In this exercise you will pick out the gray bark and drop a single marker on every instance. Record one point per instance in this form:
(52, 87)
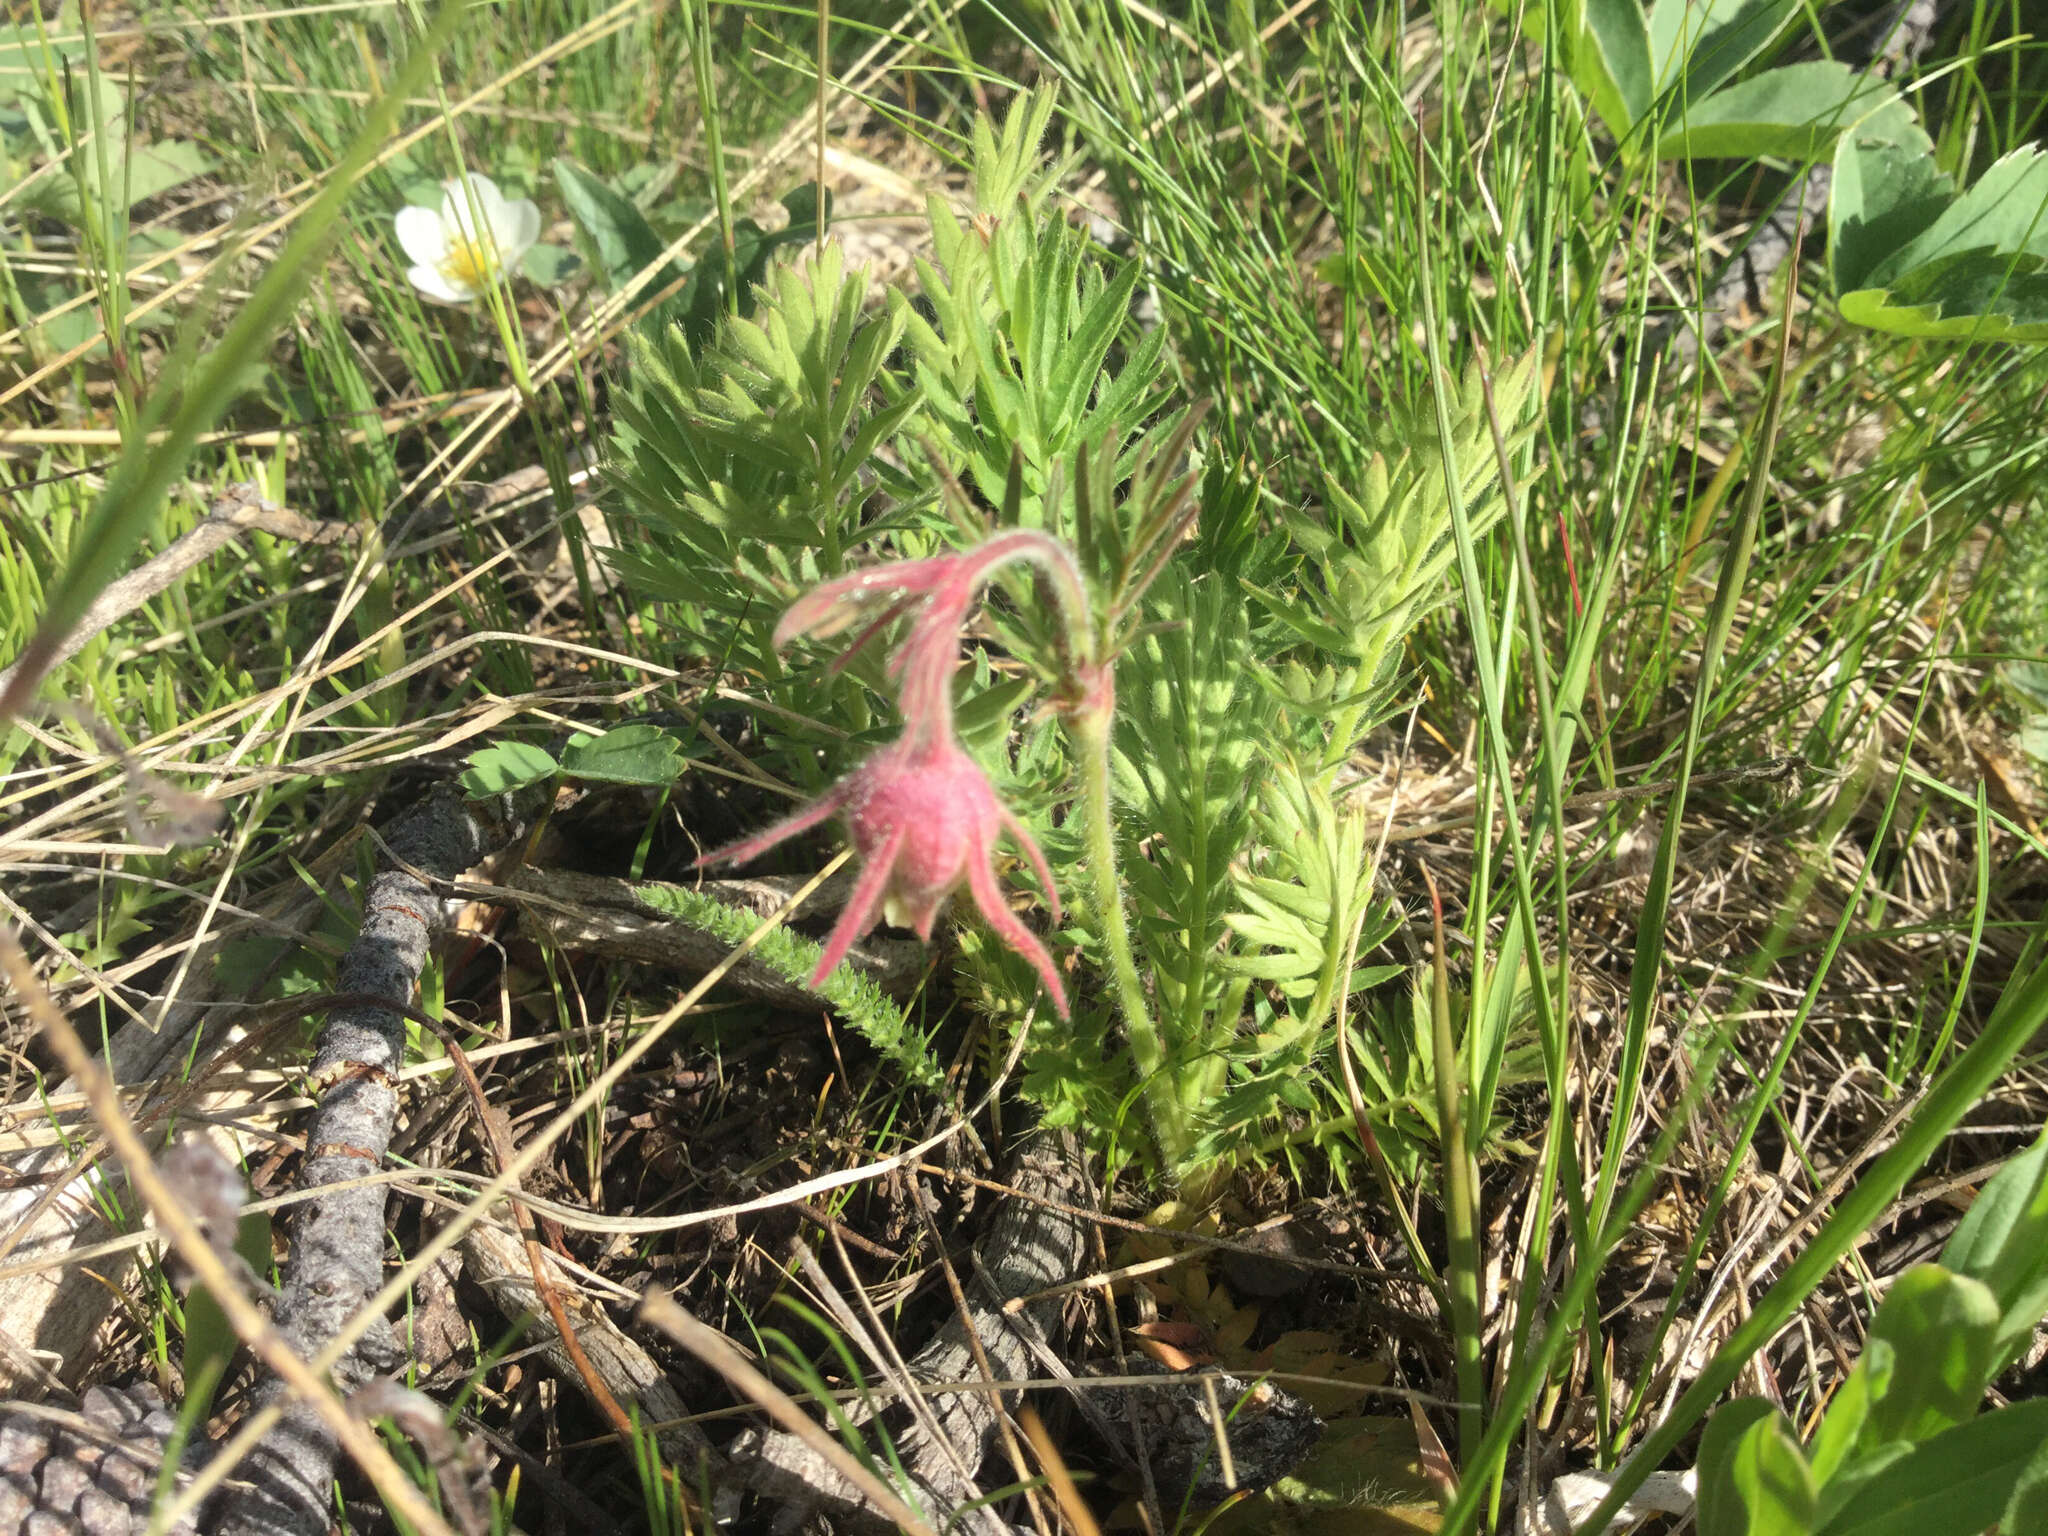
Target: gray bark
(337, 1252)
(1028, 1248)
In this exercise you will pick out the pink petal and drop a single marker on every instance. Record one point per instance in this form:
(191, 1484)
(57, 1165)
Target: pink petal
(988, 896)
(814, 612)
(859, 915)
(1029, 844)
(852, 647)
(823, 808)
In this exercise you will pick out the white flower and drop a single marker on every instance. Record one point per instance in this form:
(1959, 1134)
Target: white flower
(474, 238)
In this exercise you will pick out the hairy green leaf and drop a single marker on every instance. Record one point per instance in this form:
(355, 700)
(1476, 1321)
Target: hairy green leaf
(2002, 1241)
(1942, 1329)
(508, 766)
(628, 754)
(1956, 1484)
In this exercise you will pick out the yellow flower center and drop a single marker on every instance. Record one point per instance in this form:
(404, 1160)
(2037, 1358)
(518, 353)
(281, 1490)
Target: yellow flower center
(469, 264)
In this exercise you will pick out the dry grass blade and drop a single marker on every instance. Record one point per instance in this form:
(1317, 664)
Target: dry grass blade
(1057, 1477)
(498, 1134)
(711, 1346)
(250, 1325)
(259, 1423)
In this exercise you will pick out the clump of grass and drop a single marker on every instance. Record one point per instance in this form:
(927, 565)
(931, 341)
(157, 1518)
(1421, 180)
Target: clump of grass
(1665, 577)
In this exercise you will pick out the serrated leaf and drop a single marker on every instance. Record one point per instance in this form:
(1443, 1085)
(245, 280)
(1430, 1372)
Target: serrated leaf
(1985, 297)
(1797, 112)
(508, 766)
(1886, 191)
(2005, 211)
(631, 754)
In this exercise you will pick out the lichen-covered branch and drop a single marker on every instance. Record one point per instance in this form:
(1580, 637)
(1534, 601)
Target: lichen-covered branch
(337, 1247)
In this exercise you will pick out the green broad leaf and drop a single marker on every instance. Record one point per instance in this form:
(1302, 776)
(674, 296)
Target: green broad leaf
(26, 64)
(631, 754)
(263, 967)
(2027, 1509)
(991, 708)
(2005, 212)
(1842, 1429)
(626, 243)
(508, 766)
(1754, 1479)
(806, 212)
(1698, 45)
(1957, 1484)
(2002, 1241)
(1887, 191)
(1985, 297)
(1610, 58)
(551, 265)
(150, 170)
(1943, 1329)
(136, 172)
(1797, 113)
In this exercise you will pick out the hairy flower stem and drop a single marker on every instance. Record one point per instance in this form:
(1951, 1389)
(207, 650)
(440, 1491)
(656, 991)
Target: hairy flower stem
(1090, 727)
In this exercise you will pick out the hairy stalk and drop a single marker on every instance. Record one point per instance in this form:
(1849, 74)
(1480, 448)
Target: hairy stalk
(1090, 728)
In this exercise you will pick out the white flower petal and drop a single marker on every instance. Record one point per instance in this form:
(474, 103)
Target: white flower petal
(517, 228)
(463, 193)
(422, 235)
(436, 286)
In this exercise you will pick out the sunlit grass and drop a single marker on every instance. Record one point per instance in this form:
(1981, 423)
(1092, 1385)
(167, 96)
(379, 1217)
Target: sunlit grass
(1790, 550)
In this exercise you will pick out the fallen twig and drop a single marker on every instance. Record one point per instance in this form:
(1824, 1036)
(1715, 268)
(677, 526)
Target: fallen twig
(1029, 1247)
(315, 1402)
(337, 1257)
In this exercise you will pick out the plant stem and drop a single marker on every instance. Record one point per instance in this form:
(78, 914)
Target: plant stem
(1089, 728)
(1461, 1199)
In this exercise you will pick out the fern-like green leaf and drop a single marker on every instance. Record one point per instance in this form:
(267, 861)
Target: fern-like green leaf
(792, 957)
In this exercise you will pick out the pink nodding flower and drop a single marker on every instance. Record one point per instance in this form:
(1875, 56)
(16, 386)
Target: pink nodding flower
(921, 813)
